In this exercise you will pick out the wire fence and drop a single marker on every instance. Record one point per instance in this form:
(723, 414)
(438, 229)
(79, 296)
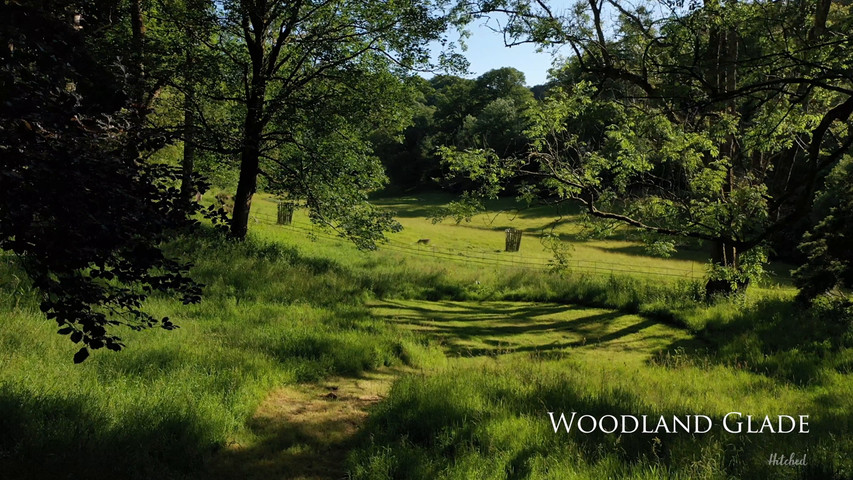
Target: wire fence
(490, 258)
(495, 258)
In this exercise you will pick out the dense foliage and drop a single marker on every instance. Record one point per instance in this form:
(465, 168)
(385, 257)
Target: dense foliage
(490, 111)
(92, 93)
(303, 82)
(717, 122)
(78, 205)
(681, 121)
(827, 246)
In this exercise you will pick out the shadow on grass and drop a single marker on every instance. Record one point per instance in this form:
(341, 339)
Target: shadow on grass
(422, 205)
(498, 421)
(270, 264)
(426, 204)
(108, 419)
(500, 349)
(548, 211)
(80, 435)
(498, 328)
(287, 450)
(68, 436)
(774, 337)
(682, 253)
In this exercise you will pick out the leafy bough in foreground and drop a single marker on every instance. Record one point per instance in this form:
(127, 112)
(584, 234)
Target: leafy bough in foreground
(80, 206)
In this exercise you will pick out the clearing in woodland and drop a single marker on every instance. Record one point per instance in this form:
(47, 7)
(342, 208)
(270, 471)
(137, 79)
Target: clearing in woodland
(310, 359)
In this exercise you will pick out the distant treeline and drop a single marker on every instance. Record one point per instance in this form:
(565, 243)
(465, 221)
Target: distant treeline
(490, 111)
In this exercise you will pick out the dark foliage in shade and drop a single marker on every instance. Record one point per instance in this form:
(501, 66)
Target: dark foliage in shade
(828, 245)
(79, 205)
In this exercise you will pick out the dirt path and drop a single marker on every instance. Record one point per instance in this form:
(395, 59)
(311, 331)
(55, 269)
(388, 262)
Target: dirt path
(304, 431)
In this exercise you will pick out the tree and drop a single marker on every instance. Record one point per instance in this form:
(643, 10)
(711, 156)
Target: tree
(505, 82)
(84, 212)
(183, 51)
(454, 101)
(452, 111)
(829, 263)
(692, 122)
(290, 60)
(408, 160)
(502, 104)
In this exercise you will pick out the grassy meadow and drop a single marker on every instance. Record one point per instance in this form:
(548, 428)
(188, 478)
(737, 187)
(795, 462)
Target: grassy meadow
(473, 346)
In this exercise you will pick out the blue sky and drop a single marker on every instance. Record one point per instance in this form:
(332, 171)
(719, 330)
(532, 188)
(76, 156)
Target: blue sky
(486, 51)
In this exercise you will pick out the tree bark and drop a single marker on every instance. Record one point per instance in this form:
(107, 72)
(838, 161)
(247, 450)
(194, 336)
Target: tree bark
(137, 25)
(243, 198)
(188, 162)
(253, 26)
(249, 163)
(819, 27)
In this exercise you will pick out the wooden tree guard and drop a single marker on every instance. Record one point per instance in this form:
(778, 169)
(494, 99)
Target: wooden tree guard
(285, 213)
(513, 239)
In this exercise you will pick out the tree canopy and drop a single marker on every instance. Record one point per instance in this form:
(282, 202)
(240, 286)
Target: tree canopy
(304, 77)
(829, 264)
(490, 111)
(716, 121)
(720, 122)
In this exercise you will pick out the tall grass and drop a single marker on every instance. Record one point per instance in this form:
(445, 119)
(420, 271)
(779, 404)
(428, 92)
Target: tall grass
(161, 407)
(489, 420)
(281, 308)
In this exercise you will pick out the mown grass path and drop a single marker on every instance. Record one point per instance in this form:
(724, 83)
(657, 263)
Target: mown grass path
(304, 431)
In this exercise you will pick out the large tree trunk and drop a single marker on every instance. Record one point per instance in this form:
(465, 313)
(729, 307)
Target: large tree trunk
(188, 163)
(137, 69)
(249, 163)
(819, 27)
(243, 198)
(253, 128)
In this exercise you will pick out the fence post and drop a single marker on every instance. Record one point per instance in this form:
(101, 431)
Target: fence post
(285, 213)
(513, 239)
